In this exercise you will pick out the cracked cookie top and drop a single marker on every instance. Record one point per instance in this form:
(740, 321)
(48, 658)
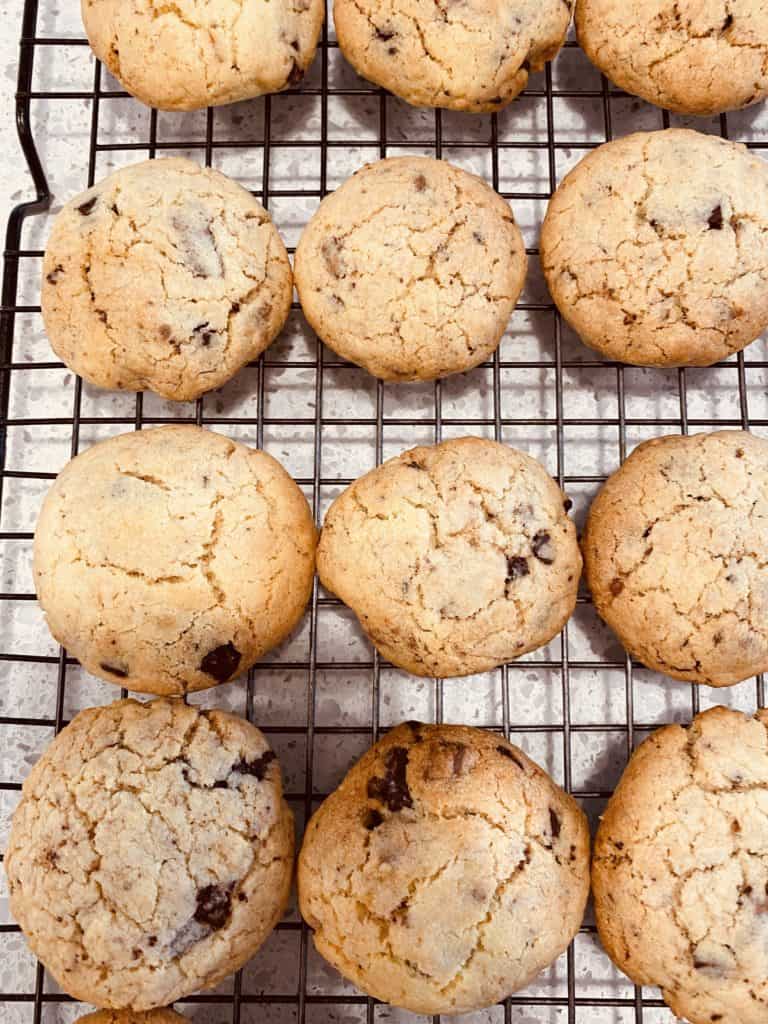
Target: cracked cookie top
(165, 276)
(202, 53)
(151, 853)
(680, 875)
(171, 559)
(131, 1017)
(676, 555)
(690, 56)
(472, 55)
(455, 558)
(655, 248)
(446, 871)
(411, 269)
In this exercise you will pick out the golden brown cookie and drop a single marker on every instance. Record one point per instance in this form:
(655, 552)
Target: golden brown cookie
(446, 871)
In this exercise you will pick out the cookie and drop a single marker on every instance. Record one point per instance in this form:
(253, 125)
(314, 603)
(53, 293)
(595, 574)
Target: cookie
(129, 1017)
(170, 560)
(473, 56)
(676, 556)
(680, 876)
(411, 269)
(691, 56)
(655, 248)
(151, 853)
(455, 558)
(446, 871)
(204, 53)
(167, 277)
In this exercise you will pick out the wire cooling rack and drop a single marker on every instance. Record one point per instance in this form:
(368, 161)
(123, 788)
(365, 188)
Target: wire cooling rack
(579, 705)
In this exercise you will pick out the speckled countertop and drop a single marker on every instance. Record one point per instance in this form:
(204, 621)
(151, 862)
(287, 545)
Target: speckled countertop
(15, 182)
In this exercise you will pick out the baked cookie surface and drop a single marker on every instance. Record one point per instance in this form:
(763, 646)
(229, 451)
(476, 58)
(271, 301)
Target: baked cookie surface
(132, 1017)
(166, 276)
(446, 871)
(198, 53)
(655, 248)
(171, 559)
(473, 56)
(690, 56)
(455, 558)
(151, 853)
(680, 869)
(411, 269)
(676, 556)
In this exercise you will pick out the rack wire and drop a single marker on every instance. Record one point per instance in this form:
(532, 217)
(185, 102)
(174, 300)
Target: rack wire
(579, 706)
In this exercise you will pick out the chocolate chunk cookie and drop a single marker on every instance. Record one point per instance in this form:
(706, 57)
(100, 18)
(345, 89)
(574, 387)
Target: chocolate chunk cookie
(203, 53)
(166, 277)
(436, 53)
(655, 248)
(411, 269)
(145, 860)
(690, 56)
(680, 875)
(172, 559)
(446, 871)
(454, 558)
(676, 555)
(131, 1017)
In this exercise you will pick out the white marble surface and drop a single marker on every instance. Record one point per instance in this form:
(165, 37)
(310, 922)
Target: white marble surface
(344, 697)
(15, 182)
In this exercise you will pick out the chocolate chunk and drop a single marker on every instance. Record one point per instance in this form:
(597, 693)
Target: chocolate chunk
(567, 505)
(214, 906)
(542, 547)
(372, 819)
(331, 250)
(221, 663)
(392, 790)
(517, 567)
(392, 50)
(235, 308)
(114, 670)
(114, 209)
(152, 940)
(739, 453)
(296, 74)
(295, 44)
(136, 953)
(195, 239)
(87, 206)
(257, 768)
(205, 334)
(460, 756)
(385, 34)
(716, 219)
(617, 586)
(54, 274)
(420, 182)
(415, 728)
(726, 25)
(554, 824)
(478, 237)
(506, 752)
(495, 99)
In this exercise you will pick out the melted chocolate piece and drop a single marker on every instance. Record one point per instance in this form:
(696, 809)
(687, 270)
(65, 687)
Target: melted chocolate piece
(221, 663)
(257, 768)
(506, 752)
(554, 824)
(517, 567)
(214, 904)
(372, 819)
(716, 219)
(114, 670)
(296, 74)
(87, 206)
(392, 790)
(540, 545)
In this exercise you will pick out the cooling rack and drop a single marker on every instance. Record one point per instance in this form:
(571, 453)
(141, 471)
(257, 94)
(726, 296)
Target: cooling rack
(579, 705)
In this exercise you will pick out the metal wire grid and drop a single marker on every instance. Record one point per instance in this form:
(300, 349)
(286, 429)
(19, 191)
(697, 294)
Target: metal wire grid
(299, 1004)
